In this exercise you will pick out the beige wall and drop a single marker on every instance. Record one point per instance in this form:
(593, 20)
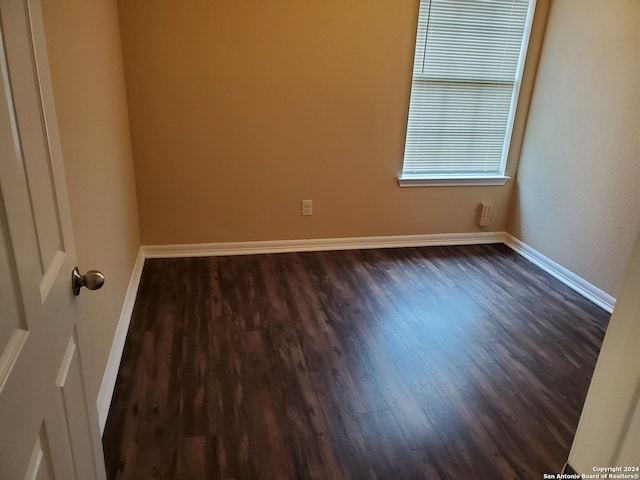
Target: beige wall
(577, 198)
(86, 67)
(609, 428)
(239, 110)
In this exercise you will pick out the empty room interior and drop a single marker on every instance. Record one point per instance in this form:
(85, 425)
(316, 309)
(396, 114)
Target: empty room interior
(284, 299)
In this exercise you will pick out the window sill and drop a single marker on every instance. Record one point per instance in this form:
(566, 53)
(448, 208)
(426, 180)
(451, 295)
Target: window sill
(469, 181)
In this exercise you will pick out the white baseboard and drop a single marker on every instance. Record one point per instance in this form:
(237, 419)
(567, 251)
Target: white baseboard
(570, 279)
(323, 244)
(117, 346)
(578, 284)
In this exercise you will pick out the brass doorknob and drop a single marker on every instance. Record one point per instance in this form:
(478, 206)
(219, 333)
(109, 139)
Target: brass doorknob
(93, 280)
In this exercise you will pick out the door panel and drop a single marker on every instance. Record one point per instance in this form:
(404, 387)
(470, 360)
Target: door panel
(48, 428)
(29, 110)
(40, 466)
(13, 332)
(8, 301)
(71, 386)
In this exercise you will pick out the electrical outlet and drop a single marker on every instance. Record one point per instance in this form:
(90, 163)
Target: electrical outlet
(307, 207)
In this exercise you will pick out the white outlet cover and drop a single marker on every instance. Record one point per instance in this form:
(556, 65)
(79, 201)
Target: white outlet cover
(307, 207)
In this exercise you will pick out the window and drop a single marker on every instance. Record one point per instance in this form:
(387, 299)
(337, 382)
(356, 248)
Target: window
(466, 77)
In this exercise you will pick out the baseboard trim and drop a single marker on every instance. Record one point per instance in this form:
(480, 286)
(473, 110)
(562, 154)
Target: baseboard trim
(570, 279)
(573, 281)
(323, 244)
(117, 346)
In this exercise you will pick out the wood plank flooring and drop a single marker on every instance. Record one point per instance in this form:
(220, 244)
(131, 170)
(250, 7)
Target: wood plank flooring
(414, 363)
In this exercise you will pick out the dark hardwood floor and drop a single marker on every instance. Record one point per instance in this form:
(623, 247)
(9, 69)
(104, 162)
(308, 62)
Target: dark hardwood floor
(434, 363)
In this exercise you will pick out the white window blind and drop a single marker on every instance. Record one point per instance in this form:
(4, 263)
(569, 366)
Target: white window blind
(466, 76)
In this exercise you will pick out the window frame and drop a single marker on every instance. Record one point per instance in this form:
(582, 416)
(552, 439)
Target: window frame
(473, 179)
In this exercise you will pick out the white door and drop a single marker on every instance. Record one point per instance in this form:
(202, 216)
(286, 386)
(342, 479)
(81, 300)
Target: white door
(48, 429)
